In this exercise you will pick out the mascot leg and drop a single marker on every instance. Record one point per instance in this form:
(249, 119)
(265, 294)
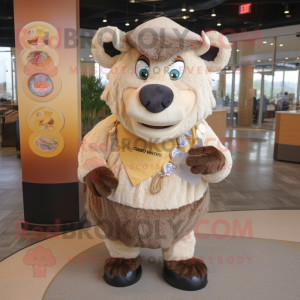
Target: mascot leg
(123, 268)
(181, 269)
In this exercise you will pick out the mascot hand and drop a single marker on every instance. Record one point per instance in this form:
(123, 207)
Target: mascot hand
(205, 160)
(101, 181)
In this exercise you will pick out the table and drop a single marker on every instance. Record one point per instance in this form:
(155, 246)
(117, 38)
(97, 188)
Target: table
(217, 121)
(287, 136)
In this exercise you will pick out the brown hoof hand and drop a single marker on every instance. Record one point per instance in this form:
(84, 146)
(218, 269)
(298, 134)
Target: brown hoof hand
(205, 160)
(101, 181)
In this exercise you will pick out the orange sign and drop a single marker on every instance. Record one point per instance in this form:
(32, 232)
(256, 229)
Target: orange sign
(48, 94)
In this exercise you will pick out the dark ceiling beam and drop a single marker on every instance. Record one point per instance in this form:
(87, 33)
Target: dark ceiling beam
(7, 24)
(96, 4)
(263, 2)
(197, 6)
(132, 9)
(98, 15)
(274, 22)
(233, 14)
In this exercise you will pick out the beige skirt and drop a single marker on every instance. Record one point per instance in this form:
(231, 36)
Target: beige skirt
(144, 228)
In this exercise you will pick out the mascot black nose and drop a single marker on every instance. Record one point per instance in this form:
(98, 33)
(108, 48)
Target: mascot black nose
(156, 97)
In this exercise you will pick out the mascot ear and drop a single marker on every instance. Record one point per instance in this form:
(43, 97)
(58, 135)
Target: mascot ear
(108, 44)
(215, 50)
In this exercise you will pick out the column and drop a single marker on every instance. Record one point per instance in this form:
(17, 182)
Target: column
(48, 84)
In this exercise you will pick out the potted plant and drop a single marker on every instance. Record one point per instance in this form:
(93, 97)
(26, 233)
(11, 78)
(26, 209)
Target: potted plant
(91, 104)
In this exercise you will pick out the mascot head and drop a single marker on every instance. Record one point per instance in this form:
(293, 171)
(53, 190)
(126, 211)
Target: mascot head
(159, 83)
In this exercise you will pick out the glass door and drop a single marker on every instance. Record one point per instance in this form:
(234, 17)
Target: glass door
(268, 105)
(221, 89)
(280, 92)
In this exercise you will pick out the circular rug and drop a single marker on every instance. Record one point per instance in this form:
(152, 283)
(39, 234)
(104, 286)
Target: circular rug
(238, 269)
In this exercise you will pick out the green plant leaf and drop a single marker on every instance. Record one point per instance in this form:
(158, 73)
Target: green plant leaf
(91, 104)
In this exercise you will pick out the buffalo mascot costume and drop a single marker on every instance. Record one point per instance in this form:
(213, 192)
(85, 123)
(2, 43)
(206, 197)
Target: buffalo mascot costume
(148, 166)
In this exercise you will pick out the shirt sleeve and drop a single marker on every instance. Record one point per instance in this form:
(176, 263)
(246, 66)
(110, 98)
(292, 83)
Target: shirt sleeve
(211, 139)
(95, 148)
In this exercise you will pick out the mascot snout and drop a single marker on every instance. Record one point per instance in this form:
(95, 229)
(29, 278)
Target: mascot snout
(156, 97)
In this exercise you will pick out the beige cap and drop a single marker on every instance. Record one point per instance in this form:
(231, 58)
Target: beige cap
(161, 37)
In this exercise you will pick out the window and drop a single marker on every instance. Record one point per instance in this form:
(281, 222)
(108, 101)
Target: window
(6, 80)
(255, 51)
(287, 48)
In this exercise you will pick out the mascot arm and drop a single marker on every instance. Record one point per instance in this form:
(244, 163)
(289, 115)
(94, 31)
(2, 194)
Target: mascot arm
(95, 148)
(213, 160)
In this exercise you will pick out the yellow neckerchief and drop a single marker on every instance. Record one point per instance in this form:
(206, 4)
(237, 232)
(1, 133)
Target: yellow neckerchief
(142, 159)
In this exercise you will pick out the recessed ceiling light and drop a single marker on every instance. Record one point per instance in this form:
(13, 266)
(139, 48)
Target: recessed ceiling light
(132, 1)
(237, 50)
(297, 57)
(264, 42)
(270, 59)
(185, 17)
(192, 10)
(286, 9)
(90, 55)
(281, 45)
(82, 59)
(286, 58)
(258, 60)
(136, 20)
(271, 44)
(127, 24)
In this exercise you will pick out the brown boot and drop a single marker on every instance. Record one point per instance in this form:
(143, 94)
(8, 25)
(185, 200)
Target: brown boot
(121, 272)
(188, 275)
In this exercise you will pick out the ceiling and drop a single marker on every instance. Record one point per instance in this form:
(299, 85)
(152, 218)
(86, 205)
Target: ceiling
(264, 14)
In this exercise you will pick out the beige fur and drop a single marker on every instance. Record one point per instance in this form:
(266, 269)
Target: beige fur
(195, 78)
(118, 249)
(100, 148)
(181, 250)
(106, 35)
(220, 41)
(103, 148)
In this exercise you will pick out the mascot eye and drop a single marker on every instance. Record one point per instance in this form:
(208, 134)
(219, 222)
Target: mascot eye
(176, 69)
(143, 74)
(142, 68)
